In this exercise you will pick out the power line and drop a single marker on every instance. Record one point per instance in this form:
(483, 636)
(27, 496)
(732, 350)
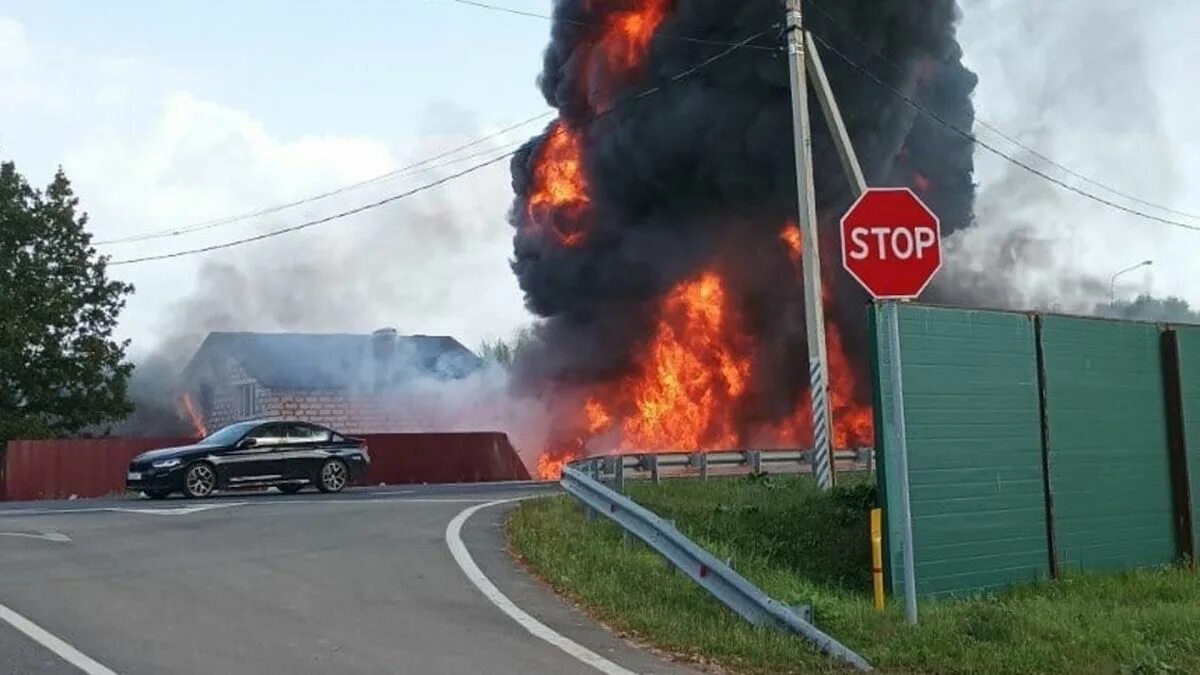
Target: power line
(996, 151)
(415, 167)
(985, 124)
(427, 186)
(318, 221)
(574, 22)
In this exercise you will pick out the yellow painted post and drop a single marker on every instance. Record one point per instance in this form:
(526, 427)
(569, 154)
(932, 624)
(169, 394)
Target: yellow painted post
(877, 556)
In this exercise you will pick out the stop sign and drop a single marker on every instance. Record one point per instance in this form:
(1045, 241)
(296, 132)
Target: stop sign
(891, 243)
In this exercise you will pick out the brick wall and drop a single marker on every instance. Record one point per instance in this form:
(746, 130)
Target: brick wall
(328, 407)
(223, 381)
(349, 412)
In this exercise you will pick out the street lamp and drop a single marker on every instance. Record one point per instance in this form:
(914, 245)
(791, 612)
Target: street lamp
(1112, 285)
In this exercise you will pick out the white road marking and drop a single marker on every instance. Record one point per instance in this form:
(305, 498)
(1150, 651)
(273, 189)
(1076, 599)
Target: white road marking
(405, 500)
(270, 501)
(48, 536)
(181, 511)
(43, 637)
(493, 594)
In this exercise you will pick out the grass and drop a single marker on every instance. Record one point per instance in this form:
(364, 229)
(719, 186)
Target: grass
(806, 547)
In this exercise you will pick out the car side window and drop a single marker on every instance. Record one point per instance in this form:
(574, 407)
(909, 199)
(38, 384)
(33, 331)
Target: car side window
(317, 434)
(306, 433)
(270, 434)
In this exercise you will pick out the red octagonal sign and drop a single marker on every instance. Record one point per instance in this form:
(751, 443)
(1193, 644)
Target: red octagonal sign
(891, 243)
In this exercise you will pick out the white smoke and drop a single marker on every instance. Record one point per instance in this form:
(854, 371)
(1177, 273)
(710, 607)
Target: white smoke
(1094, 85)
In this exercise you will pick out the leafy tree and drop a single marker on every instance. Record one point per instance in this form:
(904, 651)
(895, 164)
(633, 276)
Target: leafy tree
(502, 352)
(1147, 308)
(61, 370)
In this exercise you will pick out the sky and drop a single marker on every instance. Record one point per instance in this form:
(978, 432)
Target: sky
(169, 114)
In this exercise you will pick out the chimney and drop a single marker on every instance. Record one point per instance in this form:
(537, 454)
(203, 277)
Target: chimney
(383, 349)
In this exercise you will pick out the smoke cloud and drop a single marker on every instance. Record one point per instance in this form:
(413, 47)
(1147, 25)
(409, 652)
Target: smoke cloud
(1098, 107)
(700, 175)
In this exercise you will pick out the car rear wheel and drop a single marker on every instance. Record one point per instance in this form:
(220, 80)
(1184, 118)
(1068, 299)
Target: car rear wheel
(289, 489)
(200, 480)
(334, 476)
(157, 494)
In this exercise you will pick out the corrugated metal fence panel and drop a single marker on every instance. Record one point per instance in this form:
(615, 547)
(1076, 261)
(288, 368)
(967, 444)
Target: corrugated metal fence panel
(974, 443)
(443, 458)
(1109, 463)
(59, 469)
(1189, 372)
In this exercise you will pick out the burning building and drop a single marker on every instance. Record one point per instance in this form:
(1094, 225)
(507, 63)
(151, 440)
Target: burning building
(654, 232)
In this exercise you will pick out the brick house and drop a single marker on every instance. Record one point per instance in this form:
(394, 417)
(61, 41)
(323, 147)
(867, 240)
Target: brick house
(348, 382)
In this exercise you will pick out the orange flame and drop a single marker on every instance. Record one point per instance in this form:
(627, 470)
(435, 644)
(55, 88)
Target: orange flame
(193, 415)
(790, 235)
(853, 423)
(696, 365)
(692, 374)
(628, 33)
(559, 198)
(551, 469)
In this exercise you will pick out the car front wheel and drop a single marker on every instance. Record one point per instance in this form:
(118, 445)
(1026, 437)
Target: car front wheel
(200, 480)
(334, 476)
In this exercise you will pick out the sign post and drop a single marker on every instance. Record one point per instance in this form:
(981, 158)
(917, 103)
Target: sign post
(892, 244)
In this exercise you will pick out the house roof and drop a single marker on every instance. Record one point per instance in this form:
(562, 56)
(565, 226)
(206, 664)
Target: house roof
(337, 361)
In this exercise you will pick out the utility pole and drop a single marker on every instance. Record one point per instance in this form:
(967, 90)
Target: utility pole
(814, 310)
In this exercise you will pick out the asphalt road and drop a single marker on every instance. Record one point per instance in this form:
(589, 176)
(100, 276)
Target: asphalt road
(361, 582)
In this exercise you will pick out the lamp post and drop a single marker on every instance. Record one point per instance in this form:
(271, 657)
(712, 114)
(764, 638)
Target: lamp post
(1112, 285)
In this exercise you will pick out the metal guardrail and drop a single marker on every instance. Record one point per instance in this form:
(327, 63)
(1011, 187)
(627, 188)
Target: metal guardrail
(656, 466)
(714, 576)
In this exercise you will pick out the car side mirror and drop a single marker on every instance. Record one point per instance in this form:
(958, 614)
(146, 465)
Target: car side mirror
(247, 443)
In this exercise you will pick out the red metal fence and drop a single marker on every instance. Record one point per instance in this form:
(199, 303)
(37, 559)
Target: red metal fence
(58, 469)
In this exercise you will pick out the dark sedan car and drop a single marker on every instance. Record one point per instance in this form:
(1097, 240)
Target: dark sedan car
(288, 455)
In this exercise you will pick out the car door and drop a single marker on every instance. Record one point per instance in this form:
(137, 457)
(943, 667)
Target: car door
(304, 452)
(260, 461)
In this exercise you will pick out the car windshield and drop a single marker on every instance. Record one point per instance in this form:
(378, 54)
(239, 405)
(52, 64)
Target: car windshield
(229, 434)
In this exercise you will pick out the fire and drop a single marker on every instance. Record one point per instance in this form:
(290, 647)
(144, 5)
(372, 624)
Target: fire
(853, 423)
(551, 469)
(559, 199)
(559, 203)
(691, 376)
(193, 415)
(696, 365)
(628, 33)
(790, 236)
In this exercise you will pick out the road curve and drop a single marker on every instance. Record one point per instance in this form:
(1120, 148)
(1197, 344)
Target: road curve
(361, 582)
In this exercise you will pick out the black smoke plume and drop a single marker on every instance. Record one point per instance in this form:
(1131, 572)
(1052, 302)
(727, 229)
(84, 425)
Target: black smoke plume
(701, 174)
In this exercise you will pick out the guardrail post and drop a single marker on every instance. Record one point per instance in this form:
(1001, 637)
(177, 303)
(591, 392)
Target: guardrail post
(627, 538)
(619, 473)
(703, 459)
(756, 461)
(653, 468)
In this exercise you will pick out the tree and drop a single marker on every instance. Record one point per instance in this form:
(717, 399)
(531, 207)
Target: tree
(503, 352)
(61, 370)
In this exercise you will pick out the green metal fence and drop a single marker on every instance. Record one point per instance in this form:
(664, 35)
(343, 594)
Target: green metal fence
(1110, 480)
(975, 458)
(1188, 340)
(1037, 444)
